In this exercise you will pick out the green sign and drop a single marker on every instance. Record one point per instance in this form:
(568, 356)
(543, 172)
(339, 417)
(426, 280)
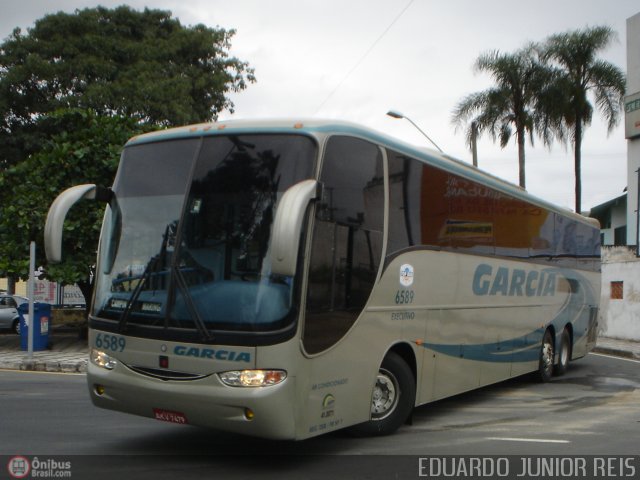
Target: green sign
(632, 116)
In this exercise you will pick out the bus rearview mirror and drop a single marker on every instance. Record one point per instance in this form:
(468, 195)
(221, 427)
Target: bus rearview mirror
(58, 212)
(287, 226)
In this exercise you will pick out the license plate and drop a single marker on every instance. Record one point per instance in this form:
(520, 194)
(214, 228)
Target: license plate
(170, 416)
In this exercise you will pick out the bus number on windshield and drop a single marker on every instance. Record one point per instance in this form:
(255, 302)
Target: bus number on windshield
(404, 297)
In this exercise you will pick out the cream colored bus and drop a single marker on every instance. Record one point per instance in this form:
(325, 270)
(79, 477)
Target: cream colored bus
(283, 279)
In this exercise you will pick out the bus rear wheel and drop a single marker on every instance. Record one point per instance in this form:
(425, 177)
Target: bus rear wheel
(392, 398)
(545, 363)
(564, 355)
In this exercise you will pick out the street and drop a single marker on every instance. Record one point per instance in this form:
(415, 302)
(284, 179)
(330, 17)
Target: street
(592, 410)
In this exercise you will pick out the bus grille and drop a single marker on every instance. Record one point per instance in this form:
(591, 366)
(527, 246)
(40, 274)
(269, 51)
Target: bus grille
(166, 374)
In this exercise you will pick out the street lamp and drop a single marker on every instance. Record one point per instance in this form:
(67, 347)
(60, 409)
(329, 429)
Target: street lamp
(396, 114)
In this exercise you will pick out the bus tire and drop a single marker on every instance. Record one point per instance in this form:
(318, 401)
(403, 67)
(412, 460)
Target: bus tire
(392, 399)
(545, 362)
(564, 353)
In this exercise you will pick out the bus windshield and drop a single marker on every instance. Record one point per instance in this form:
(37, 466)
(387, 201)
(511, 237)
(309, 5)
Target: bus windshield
(186, 236)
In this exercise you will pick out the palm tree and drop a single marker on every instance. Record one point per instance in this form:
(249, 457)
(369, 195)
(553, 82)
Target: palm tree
(578, 73)
(507, 105)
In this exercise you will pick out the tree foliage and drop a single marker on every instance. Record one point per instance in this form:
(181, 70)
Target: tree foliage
(509, 104)
(85, 151)
(73, 89)
(545, 89)
(578, 75)
(139, 64)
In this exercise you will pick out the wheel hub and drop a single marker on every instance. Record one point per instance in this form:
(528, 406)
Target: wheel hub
(547, 356)
(384, 398)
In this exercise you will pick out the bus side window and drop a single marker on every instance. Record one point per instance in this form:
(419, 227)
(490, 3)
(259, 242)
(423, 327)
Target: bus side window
(565, 242)
(347, 240)
(405, 185)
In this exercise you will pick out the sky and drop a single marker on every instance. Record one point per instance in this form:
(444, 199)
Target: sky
(355, 60)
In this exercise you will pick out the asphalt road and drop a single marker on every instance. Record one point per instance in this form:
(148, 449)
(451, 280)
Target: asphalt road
(594, 409)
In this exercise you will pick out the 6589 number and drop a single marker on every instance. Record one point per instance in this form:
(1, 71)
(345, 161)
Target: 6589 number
(404, 297)
(111, 342)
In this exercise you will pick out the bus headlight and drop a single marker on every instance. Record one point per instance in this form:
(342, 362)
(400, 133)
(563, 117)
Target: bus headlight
(253, 378)
(103, 360)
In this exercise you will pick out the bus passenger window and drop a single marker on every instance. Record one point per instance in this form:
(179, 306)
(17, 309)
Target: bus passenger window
(405, 189)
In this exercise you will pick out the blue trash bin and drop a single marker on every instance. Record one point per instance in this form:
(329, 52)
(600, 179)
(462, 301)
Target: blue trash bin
(42, 323)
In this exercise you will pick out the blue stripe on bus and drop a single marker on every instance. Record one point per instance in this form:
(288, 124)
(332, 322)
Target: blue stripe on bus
(527, 347)
(522, 349)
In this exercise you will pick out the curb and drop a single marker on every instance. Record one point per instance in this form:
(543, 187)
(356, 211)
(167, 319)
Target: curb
(52, 366)
(10, 366)
(616, 352)
(40, 366)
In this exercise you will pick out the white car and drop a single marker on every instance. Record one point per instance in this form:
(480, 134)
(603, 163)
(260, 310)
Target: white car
(9, 318)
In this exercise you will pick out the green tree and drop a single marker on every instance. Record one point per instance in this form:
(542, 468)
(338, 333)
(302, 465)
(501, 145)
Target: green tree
(139, 64)
(86, 151)
(578, 75)
(509, 105)
(72, 76)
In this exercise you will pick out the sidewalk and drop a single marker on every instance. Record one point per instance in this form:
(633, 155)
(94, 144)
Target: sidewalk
(69, 354)
(617, 347)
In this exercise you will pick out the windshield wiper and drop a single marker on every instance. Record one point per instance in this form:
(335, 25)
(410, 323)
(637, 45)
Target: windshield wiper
(184, 289)
(150, 269)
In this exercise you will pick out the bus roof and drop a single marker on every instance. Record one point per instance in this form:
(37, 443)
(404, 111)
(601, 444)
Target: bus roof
(317, 127)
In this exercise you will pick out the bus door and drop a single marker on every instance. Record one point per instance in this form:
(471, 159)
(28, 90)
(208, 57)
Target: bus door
(346, 251)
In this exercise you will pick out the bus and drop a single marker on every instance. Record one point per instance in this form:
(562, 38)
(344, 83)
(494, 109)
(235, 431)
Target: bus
(285, 279)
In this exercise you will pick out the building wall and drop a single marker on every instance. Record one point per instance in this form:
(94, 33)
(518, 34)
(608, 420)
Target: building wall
(633, 146)
(620, 317)
(633, 164)
(21, 287)
(618, 219)
(619, 216)
(607, 236)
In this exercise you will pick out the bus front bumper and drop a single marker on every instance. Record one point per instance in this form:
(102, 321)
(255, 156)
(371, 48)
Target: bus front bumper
(267, 412)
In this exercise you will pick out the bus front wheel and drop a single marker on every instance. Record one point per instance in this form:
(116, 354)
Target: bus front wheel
(392, 398)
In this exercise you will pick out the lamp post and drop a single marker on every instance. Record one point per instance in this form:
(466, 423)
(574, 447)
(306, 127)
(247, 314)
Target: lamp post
(396, 114)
